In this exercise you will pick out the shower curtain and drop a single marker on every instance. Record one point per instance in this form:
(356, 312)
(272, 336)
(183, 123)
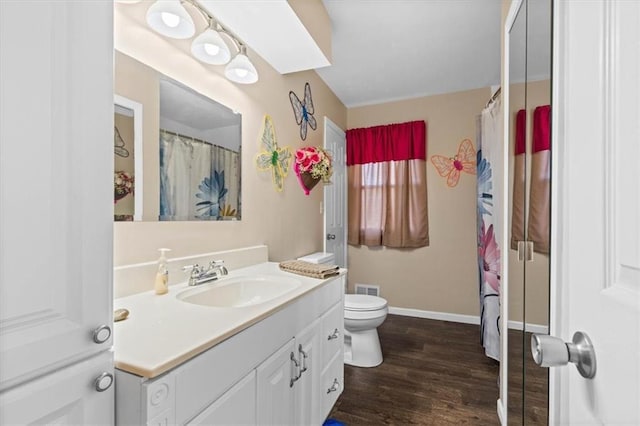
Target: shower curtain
(197, 179)
(489, 221)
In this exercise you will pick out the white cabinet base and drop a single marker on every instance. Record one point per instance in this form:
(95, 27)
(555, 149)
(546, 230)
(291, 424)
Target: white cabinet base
(67, 396)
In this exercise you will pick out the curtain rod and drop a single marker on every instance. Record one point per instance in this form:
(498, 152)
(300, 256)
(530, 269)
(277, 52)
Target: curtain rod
(198, 140)
(494, 97)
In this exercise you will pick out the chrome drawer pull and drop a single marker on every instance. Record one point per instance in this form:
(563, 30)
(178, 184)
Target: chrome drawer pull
(335, 334)
(297, 367)
(304, 359)
(334, 387)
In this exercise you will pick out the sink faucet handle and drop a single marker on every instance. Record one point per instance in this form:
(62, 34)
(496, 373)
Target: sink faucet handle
(219, 265)
(195, 269)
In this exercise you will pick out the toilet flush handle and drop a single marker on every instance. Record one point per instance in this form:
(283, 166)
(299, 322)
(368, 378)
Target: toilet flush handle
(334, 335)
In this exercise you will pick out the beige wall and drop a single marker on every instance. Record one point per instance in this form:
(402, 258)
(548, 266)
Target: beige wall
(444, 276)
(289, 222)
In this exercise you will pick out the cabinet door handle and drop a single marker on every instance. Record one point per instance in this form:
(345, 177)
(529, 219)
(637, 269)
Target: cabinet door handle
(304, 359)
(101, 334)
(103, 382)
(334, 387)
(296, 366)
(334, 335)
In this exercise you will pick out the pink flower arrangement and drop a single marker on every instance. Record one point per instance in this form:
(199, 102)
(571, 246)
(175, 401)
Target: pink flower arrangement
(315, 161)
(122, 185)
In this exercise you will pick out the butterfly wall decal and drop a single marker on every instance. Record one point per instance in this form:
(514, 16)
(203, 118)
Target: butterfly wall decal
(463, 161)
(303, 110)
(272, 157)
(118, 144)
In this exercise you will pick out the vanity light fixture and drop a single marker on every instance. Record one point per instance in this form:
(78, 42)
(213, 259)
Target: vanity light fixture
(210, 48)
(171, 19)
(240, 69)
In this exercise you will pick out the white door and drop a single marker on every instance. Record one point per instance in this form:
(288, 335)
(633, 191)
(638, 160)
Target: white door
(596, 208)
(56, 185)
(276, 388)
(335, 195)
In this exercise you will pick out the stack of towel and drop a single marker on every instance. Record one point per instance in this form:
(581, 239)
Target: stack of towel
(313, 270)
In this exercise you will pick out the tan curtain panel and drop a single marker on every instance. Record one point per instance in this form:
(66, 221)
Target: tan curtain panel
(540, 192)
(387, 186)
(388, 204)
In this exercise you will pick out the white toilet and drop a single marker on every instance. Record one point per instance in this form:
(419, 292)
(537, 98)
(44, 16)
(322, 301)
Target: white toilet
(362, 315)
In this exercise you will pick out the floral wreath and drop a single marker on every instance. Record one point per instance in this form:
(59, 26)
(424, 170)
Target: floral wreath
(311, 165)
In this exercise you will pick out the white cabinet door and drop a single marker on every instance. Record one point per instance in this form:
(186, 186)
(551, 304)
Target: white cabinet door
(307, 388)
(237, 406)
(275, 387)
(68, 396)
(56, 211)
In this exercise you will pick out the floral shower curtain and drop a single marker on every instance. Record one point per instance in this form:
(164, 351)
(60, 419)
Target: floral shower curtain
(489, 206)
(197, 179)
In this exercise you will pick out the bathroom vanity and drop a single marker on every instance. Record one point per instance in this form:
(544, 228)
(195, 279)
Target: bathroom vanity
(278, 361)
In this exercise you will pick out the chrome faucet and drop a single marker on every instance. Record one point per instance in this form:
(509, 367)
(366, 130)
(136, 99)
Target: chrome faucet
(200, 275)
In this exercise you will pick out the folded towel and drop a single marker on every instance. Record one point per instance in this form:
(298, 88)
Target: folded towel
(308, 269)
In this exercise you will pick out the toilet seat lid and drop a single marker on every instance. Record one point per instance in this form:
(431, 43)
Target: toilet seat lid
(363, 302)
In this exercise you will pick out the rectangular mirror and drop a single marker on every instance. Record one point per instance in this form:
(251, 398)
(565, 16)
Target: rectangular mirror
(190, 147)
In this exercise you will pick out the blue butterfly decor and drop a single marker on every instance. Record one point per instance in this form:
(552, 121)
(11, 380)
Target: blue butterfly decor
(303, 110)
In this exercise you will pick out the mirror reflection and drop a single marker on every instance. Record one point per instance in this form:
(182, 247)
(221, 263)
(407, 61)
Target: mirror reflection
(191, 148)
(530, 171)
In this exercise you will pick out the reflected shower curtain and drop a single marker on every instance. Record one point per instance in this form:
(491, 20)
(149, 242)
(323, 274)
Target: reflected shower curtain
(489, 207)
(195, 178)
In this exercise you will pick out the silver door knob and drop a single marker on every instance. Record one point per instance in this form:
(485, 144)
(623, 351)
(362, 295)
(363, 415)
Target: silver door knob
(331, 237)
(549, 351)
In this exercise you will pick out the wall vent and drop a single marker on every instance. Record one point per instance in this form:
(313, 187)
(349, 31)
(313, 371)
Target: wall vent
(368, 289)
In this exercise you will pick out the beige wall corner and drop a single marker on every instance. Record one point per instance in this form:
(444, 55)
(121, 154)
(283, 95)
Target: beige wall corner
(315, 18)
(444, 276)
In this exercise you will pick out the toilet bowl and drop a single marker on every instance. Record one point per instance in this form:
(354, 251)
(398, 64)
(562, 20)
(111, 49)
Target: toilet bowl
(362, 315)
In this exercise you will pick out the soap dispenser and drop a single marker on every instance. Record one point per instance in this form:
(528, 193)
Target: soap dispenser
(162, 276)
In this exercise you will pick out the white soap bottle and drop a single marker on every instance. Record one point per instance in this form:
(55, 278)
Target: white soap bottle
(162, 276)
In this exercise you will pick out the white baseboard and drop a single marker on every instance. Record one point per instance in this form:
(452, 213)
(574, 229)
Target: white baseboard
(529, 328)
(501, 412)
(442, 316)
(460, 318)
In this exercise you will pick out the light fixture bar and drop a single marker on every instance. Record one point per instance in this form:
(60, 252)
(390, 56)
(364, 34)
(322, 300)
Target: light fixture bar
(171, 19)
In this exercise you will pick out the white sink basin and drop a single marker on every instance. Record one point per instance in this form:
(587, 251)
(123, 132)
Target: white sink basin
(238, 292)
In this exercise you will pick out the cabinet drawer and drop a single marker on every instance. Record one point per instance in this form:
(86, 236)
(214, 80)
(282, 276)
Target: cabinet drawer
(332, 333)
(332, 382)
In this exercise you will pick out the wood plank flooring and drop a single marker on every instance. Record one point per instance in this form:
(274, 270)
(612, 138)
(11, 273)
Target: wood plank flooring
(434, 373)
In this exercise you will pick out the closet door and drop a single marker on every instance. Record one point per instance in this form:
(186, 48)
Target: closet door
(530, 165)
(56, 183)
(538, 211)
(516, 194)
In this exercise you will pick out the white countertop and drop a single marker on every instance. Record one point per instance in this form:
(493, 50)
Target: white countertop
(162, 332)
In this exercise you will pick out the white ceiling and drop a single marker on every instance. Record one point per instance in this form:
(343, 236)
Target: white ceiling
(386, 50)
(272, 30)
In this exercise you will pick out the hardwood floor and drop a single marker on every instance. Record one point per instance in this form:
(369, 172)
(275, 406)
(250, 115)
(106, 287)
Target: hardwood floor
(434, 373)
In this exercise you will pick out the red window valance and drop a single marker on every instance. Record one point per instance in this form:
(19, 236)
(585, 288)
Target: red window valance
(392, 142)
